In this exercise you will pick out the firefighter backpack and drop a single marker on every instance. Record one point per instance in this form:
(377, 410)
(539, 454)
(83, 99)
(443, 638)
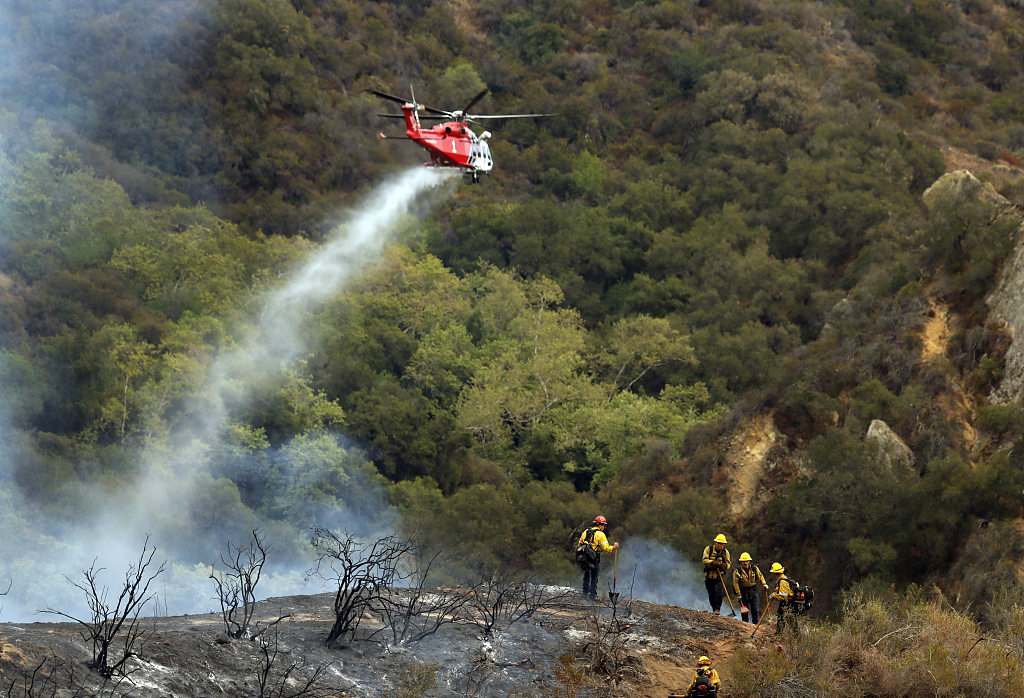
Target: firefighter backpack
(803, 596)
(704, 688)
(586, 555)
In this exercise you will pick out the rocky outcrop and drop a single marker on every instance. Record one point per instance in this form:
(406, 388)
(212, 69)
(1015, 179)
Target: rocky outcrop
(894, 450)
(1007, 306)
(1007, 299)
(748, 459)
(961, 185)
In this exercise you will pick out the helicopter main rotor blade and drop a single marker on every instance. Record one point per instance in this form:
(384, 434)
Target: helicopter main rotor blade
(474, 101)
(425, 117)
(506, 116)
(440, 112)
(385, 95)
(419, 107)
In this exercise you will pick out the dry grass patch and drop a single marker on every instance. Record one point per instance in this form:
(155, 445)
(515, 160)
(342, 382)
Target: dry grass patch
(911, 647)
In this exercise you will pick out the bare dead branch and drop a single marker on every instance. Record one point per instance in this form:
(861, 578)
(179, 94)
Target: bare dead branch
(505, 598)
(412, 614)
(236, 586)
(898, 630)
(106, 622)
(45, 683)
(360, 572)
(259, 631)
(39, 683)
(604, 649)
(280, 677)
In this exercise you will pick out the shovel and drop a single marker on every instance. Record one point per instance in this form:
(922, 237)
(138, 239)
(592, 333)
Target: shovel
(732, 611)
(613, 595)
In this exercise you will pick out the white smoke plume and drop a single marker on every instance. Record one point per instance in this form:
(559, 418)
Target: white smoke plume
(657, 573)
(162, 502)
(352, 245)
(175, 490)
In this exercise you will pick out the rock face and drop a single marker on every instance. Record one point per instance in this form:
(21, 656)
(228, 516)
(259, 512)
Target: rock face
(1007, 304)
(961, 185)
(1007, 299)
(748, 459)
(894, 450)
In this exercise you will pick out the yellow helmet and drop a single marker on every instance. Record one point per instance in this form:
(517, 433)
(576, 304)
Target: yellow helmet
(777, 568)
(745, 557)
(720, 538)
(703, 661)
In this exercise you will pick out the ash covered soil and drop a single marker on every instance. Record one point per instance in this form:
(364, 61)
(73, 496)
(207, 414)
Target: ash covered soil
(631, 649)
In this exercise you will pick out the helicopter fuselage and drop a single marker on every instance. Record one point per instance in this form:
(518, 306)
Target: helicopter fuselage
(450, 144)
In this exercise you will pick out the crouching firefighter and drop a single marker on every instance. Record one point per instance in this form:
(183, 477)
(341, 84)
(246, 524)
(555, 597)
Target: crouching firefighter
(747, 580)
(597, 542)
(705, 682)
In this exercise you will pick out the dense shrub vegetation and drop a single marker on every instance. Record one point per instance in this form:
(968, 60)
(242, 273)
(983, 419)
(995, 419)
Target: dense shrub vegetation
(724, 217)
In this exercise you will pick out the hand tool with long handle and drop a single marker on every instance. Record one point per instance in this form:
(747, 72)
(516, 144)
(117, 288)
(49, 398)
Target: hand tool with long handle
(732, 611)
(613, 595)
(767, 605)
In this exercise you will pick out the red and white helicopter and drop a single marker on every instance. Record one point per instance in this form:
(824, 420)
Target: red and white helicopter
(451, 143)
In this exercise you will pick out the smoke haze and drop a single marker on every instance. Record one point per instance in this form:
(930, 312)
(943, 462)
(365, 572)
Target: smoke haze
(657, 573)
(175, 490)
(353, 244)
(68, 64)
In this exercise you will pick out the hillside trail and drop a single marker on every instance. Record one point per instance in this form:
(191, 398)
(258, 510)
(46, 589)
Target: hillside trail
(956, 404)
(668, 675)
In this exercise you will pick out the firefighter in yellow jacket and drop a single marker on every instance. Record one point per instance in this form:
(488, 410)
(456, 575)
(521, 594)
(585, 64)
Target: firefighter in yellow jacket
(747, 580)
(710, 679)
(784, 593)
(716, 564)
(595, 537)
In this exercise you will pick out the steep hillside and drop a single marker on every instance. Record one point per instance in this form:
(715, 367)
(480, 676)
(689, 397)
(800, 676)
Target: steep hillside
(954, 377)
(719, 290)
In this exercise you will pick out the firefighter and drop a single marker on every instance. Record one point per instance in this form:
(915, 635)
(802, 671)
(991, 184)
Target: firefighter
(716, 563)
(706, 682)
(746, 580)
(599, 542)
(784, 593)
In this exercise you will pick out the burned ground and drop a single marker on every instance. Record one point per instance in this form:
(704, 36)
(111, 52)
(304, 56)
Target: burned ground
(635, 649)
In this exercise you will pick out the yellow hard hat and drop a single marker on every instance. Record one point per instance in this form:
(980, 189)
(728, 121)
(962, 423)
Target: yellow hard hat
(703, 661)
(720, 538)
(777, 568)
(745, 557)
